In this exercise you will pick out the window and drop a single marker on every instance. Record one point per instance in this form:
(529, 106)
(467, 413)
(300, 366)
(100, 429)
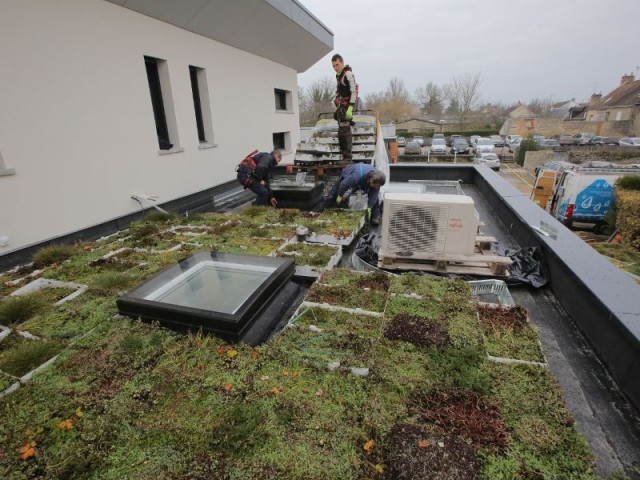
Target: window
(162, 102)
(201, 104)
(282, 140)
(283, 100)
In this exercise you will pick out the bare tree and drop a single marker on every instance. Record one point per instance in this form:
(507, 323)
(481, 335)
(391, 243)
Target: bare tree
(541, 106)
(430, 99)
(464, 91)
(374, 100)
(315, 99)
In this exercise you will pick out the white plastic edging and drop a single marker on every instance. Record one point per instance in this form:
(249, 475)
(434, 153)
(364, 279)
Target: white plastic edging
(42, 283)
(334, 308)
(5, 332)
(512, 361)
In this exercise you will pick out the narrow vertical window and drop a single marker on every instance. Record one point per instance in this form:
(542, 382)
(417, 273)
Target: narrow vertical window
(197, 105)
(201, 105)
(155, 88)
(281, 99)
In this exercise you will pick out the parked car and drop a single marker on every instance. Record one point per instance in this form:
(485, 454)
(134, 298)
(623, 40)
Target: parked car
(606, 141)
(401, 141)
(460, 145)
(438, 145)
(548, 143)
(452, 138)
(497, 140)
(513, 144)
(491, 160)
(473, 138)
(483, 145)
(563, 139)
(555, 165)
(412, 148)
(584, 138)
(419, 139)
(630, 142)
(513, 138)
(438, 135)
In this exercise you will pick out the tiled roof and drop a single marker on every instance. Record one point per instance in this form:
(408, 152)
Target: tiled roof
(624, 95)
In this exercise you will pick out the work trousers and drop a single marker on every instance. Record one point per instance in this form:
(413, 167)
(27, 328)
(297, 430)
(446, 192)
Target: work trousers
(344, 133)
(262, 192)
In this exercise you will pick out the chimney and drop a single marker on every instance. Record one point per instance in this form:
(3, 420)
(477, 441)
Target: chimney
(595, 98)
(626, 78)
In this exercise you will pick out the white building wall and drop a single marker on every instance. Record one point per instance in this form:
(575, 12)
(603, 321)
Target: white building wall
(76, 120)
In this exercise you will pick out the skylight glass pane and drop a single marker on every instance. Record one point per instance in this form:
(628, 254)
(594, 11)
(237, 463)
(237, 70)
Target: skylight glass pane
(218, 286)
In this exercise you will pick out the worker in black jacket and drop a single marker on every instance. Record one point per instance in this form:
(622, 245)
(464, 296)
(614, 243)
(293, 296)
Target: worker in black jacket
(345, 102)
(357, 176)
(253, 173)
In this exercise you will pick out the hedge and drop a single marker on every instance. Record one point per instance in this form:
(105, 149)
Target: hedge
(628, 204)
(628, 182)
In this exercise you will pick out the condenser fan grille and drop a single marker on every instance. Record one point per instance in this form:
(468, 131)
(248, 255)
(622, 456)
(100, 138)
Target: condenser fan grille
(417, 228)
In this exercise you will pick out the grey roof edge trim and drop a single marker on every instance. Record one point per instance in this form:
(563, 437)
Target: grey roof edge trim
(278, 4)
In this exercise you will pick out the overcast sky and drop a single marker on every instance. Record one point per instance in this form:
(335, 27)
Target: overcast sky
(524, 49)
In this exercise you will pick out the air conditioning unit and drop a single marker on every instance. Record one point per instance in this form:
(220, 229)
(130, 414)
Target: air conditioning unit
(425, 226)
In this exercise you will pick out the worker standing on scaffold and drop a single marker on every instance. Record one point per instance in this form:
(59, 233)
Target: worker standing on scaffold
(345, 101)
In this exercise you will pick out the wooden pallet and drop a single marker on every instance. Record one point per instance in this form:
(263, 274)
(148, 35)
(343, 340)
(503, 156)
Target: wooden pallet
(482, 262)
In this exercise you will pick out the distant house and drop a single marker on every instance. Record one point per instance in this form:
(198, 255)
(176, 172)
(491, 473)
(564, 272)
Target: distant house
(102, 100)
(561, 109)
(520, 121)
(621, 105)
(417, 125)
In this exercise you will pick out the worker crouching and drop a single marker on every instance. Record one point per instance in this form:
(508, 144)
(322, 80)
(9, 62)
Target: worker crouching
(357, 176)
(253, 173)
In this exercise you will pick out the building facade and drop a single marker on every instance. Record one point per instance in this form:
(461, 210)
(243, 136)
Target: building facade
(103, 100)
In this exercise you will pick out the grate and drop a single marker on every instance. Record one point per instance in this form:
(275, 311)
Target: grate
(417, 228)
(491, 291)
(441, 186)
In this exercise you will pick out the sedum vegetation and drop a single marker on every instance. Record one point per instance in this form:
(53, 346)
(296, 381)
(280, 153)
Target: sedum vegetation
(337, 394)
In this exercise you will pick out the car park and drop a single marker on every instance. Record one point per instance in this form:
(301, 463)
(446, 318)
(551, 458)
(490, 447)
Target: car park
(483, 145)
(438, 145)
(412, 148)
(401, 141)
(497, 140)
(584, 138)
(630, 142)
(491, 160)
(602, 141)
(460, 145)
(419, 139)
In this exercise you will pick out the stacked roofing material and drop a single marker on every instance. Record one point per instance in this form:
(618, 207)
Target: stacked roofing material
(323, 148)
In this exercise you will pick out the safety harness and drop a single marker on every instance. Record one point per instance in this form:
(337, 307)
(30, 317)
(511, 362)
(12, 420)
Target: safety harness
(246, 168)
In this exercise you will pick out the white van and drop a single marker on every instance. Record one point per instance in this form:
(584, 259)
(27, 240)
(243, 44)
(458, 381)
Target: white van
(585, 195)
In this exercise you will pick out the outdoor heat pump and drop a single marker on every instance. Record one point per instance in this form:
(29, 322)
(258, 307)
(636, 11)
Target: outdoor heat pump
(425, 225)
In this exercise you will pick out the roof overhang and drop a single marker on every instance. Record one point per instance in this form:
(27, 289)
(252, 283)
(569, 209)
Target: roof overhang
(280, 30)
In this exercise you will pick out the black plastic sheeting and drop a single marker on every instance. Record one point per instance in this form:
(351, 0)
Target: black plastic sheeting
(528, 265)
